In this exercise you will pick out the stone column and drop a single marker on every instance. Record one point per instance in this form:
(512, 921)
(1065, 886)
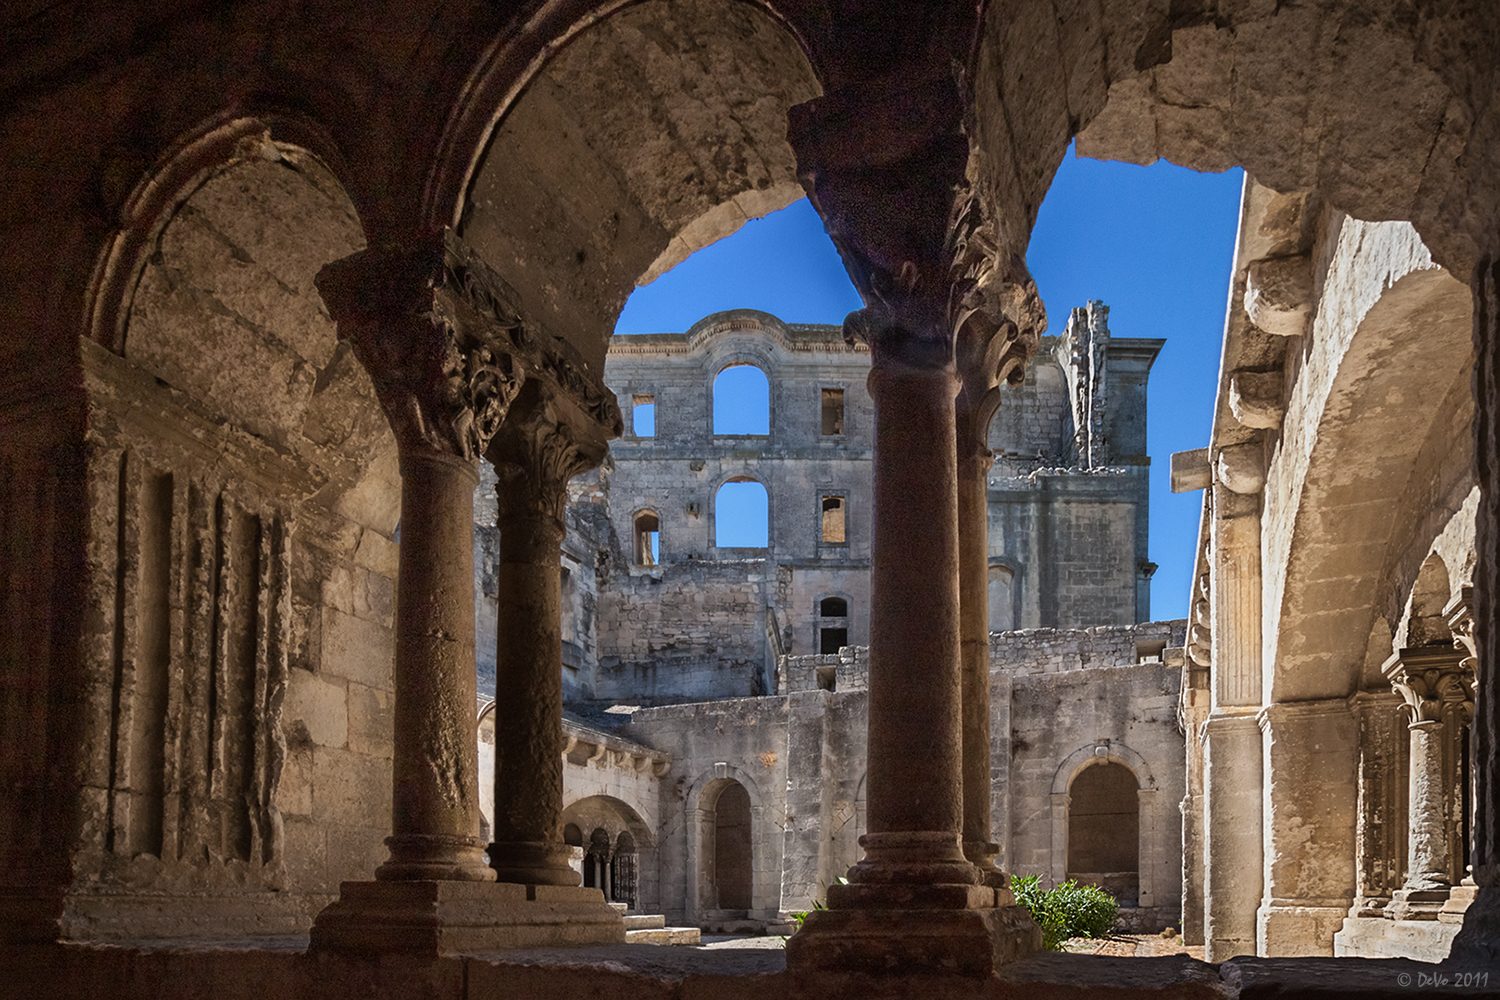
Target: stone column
(1459, 614)
(1479, 940)
(1435, 687)
(1232, 776)
(988, 358)
(435, 793)
(882, 163)
(444, 391)
(547, 440)
(446, 348)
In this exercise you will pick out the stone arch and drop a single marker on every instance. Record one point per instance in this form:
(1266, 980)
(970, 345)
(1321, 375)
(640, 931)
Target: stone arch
(1354, 446)
(1150, 812)
(595, 826)
(1366, 110)
(1003, 595)
(765, 877)
(1422, 623)
(203, 313)
(567, 181)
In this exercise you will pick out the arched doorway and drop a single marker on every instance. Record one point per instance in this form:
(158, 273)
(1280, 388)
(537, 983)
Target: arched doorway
(623, 871)
(1104, 831)
(732, 869)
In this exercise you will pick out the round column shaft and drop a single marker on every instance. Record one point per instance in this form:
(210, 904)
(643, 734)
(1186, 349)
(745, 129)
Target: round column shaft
(915, 793)
(973, 540)
(528, 844)
(1427, 838)
(435, 794)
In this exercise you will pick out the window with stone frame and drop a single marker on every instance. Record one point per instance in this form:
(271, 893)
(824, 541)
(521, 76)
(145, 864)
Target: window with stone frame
(643, 414)
(833, 411)
(647, 538)
(834, 529)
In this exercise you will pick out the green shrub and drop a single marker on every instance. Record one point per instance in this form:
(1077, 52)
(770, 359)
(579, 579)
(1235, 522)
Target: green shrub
(1068, 911)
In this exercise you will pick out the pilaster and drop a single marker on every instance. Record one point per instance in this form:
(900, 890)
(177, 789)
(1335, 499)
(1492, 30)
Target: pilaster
(1311, 751)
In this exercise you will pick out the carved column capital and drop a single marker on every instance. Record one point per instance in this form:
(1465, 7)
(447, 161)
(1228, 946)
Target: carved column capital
(1459, 614)
(888, 166)
(547, 440)
(438, 332)
(1000, 320)
(1429, 677)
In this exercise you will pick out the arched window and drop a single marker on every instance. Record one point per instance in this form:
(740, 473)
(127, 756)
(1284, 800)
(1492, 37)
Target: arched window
(833, 607)
(1104, 830)
(572, 835)
(742, 515)
(742, 401)
(647, 539)
(732, 857)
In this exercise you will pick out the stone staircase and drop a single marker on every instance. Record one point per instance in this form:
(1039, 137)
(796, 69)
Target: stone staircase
(651, 928)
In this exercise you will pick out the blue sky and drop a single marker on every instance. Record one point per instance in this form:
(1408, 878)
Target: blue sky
(1154, 243)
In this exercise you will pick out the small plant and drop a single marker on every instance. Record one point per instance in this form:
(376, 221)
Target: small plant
(801, 915)
(1070, 910)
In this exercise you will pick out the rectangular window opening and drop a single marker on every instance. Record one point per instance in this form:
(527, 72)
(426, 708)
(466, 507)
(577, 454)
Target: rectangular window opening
(833, 520)
(1150, 651)
(831, 640)
(833, 411)
(643, 414)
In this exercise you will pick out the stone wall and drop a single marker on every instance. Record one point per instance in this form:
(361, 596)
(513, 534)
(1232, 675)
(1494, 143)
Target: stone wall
(1077, 699)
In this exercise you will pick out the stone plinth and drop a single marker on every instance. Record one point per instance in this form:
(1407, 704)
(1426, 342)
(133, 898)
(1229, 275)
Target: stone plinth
(913, 928)
(449, 917)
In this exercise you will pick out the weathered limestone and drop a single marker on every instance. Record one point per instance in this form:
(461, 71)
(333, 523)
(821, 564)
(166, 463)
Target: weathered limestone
(1436, 690)
(1310, 752)
(448, 352)
(547, 440)
(914, 877)
(1232, 758)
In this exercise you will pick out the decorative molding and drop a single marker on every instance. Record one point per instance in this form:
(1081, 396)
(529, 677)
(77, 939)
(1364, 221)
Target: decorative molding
(1429, 677)
(447, 344)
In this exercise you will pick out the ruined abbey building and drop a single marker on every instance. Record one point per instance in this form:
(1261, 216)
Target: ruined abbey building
(744, 801)
(280, 277)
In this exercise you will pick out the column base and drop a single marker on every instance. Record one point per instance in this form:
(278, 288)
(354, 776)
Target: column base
(953, 929)
(422, 857)
(982, 856)
(1299, 928)
(531, 863)
(1458, 902)
(435, 918)
(1418, 903)
(917, 858)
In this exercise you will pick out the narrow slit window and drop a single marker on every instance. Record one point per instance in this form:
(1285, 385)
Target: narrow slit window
(647, 539)
(643, 414)
(833, 520)
(833, 411)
